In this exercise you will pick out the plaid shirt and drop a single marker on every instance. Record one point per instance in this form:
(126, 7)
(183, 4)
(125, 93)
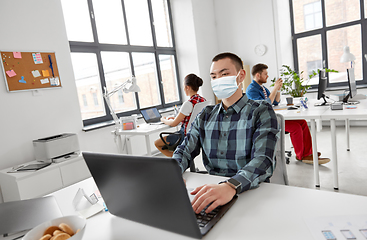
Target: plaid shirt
(194, 99)
(237, 143)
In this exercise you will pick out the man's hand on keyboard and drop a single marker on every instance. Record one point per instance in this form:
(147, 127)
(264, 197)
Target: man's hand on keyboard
(217, 194)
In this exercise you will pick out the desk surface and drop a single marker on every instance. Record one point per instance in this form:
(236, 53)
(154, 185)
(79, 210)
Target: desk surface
(144, 129)
(360, 111)
(324, 112)
(269, 212)
(312, 112)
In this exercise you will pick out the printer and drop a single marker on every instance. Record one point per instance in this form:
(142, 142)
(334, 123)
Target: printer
(56, 148)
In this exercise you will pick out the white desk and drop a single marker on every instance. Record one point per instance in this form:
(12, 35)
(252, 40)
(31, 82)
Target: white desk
(142, 130)
(312, 113)
(269, 212)
(346, 114)
(325, 113)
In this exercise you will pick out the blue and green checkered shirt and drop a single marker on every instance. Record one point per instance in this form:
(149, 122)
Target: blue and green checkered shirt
(238, 142)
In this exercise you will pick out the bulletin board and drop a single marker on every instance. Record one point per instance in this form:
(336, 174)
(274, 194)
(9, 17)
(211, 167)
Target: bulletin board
(30, 70)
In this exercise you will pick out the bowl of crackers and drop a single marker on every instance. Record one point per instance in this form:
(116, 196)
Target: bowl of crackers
(68, 227)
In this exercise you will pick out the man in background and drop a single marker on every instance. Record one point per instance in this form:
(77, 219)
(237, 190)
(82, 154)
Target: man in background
(298, 129)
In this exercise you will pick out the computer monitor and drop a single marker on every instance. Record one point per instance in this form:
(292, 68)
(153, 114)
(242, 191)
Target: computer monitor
(352, 87)
(321, 88)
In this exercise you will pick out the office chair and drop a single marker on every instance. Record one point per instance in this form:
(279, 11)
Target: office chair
(289, 153)
(195, 169)
(280, 175)
(197, 109)
(166, 145)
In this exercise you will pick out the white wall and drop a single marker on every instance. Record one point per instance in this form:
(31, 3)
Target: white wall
(241, 25)
(207, 44)
(283, 32)
(26, 117)
(183, 23)
(196, 43)
(204, 28)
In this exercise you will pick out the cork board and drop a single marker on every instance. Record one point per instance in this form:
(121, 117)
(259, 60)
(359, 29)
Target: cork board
(30, 70)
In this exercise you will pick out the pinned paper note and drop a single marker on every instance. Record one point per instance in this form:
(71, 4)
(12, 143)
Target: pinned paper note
(36, 73)
(11, 73)
(17, 55)
(45, 73)
(43, 81)
(22, 80)
(37, 58)
(55, 81)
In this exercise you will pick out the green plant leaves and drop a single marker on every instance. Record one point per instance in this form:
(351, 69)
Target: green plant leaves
(293, 83)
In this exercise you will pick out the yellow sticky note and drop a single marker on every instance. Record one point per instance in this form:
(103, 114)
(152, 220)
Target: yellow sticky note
(45, 73)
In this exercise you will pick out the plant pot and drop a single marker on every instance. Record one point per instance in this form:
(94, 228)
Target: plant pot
(289, 101)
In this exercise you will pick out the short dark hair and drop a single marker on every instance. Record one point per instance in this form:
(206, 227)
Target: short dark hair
(258, 68)
(235, 59)
(193, 81)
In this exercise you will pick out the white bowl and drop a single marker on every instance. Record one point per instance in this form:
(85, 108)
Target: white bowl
(74, 221)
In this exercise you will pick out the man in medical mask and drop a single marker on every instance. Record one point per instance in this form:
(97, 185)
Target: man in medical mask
(237, 137)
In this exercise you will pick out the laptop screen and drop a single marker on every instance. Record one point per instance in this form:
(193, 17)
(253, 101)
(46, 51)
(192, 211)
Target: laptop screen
(148, 190)
(151, 115)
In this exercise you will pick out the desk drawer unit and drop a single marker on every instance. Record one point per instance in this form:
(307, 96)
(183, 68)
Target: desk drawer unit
(26, 185)
(74, 172)
(40, 184)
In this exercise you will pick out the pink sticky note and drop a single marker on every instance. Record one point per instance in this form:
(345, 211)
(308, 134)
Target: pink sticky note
(11, 73)
(17, 55)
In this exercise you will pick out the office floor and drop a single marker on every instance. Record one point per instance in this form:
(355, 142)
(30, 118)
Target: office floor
(352, 164)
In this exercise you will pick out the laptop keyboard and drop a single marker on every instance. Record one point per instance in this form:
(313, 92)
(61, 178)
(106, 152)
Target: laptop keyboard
(204, 218)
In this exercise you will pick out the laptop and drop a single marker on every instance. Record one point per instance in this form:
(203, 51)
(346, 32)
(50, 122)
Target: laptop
(151, 115)
(17, 216)
(149, 190)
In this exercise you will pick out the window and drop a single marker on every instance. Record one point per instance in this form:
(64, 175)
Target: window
(321, 29)
(85, 102)
(309, 50)
(110, 41)
(313, 66)
(312, 15)
(95, 99)
(120, 96)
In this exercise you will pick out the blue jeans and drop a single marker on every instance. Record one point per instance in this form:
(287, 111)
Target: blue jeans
(173, 138)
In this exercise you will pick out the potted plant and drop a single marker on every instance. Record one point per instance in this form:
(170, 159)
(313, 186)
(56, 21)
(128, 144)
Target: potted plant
(293, 82)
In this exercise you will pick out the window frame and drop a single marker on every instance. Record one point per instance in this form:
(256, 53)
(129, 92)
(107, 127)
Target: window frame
(96, 48)
(323, 32)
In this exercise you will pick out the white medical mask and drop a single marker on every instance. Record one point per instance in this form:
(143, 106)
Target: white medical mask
(225, 87)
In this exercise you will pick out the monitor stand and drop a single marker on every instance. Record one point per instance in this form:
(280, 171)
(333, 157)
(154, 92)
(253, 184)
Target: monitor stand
(325, 103)
(347, 101)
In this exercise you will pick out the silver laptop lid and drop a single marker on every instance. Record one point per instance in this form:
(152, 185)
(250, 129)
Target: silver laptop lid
(22, 215)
